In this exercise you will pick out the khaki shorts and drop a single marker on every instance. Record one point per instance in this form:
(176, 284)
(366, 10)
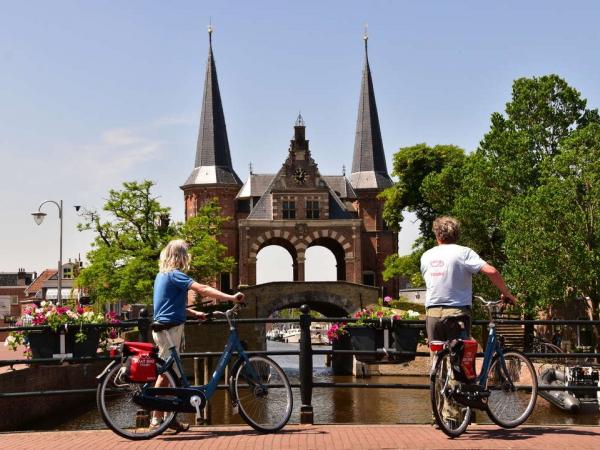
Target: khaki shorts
(441, 328)
(162, 341)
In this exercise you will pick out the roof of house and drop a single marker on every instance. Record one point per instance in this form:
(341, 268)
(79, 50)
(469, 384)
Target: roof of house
(11, 278)
(37, 284)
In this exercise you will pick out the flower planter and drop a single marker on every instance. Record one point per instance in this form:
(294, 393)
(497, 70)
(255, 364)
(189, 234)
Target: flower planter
(405, 339)
(87, 348)
(46, 343)
(366, 338)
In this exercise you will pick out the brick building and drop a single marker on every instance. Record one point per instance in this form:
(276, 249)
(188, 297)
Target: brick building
(12, 292)
(297, 207)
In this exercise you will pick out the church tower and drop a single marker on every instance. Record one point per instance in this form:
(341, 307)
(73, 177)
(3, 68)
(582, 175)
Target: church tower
(368, 178)
(213, 175)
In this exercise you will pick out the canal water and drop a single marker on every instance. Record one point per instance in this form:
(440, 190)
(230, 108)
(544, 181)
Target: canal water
(347, 405)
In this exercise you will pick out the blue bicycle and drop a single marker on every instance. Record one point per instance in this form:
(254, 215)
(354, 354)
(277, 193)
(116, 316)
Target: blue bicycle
(259, 389)
(506, 387)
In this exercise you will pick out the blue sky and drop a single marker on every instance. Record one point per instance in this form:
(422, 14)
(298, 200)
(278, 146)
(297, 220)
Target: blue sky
(96, 93)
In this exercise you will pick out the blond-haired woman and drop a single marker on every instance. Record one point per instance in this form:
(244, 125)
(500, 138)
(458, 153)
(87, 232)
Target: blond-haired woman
(170, 303)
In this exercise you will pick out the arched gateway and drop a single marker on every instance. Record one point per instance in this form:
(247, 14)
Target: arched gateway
(297, 207)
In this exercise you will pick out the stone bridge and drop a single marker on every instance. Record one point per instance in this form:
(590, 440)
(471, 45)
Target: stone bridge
(331, 298)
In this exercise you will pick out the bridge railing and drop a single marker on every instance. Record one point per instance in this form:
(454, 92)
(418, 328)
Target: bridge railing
(305, 353)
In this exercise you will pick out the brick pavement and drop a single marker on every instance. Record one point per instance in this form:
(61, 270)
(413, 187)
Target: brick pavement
(330, 437)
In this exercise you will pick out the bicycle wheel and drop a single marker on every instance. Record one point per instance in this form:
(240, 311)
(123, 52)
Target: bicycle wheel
(513, 389)
(263, 394)
(452, 417)
(114, 397)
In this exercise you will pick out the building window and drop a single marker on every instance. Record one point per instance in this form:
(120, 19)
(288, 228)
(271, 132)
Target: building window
(289, 209)
(369, 278)
(312, 209)
(14, 300)
(226, 282)
(67, 273)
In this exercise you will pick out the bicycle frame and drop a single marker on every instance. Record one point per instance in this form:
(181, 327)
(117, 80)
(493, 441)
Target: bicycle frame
(492, 347)
(233, 345)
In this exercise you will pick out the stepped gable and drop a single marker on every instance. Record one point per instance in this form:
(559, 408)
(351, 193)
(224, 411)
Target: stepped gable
(299, 173)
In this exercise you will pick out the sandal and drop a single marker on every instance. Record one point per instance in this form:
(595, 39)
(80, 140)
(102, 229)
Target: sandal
(177, 426)
(155, 422)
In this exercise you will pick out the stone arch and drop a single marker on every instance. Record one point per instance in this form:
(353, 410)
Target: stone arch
(279, 235)
(332, 298)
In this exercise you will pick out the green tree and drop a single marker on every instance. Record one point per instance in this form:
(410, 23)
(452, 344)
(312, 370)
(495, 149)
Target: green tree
(413, 166)
(124, 258)
(420, 170)
(553, 233)
(508, 163)
(201, 233)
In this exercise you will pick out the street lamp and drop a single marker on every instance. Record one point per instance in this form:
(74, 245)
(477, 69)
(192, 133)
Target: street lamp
(38, 217)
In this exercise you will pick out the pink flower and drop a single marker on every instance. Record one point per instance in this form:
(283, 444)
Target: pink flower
(62, 309)
(80, 310)
(387, 299)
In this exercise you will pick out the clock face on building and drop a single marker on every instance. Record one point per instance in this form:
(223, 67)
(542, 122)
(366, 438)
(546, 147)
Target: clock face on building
(300, 176)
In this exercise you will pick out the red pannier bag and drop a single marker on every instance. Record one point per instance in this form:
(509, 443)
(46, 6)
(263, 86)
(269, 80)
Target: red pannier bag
(140, 366)
(467, 361)
(462, 356)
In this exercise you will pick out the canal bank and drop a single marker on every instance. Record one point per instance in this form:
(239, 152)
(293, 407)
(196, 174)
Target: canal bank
(21, 413)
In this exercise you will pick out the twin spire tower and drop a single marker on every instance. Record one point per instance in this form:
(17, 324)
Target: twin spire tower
(297, 207)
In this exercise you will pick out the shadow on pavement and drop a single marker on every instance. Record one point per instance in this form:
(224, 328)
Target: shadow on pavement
(525, 433)
(200, 434)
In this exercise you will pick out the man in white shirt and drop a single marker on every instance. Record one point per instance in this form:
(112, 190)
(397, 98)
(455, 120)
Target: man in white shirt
(448, 270)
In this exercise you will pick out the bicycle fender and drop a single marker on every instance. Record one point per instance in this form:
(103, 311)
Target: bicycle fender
(105, 371)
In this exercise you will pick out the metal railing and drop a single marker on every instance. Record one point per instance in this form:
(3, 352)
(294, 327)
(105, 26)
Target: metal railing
(305, 353)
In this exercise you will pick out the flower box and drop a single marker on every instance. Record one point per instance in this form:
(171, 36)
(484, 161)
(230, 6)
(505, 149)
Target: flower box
(46, 343)
(405, 339)
(366, 338)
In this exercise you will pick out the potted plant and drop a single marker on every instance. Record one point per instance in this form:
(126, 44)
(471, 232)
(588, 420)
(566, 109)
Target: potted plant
(81, 337)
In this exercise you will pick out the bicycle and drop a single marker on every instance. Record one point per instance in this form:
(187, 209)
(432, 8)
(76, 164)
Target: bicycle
(505, 388)
(259, 389)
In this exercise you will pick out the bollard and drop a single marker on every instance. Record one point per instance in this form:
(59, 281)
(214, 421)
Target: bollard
(306, 367)
(144, 326)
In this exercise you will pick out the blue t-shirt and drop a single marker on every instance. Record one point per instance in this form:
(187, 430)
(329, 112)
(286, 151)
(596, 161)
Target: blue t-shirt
(448, 270)
(170, 296)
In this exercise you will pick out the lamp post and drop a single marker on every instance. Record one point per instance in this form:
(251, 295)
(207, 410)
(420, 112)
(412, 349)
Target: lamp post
(38, 217)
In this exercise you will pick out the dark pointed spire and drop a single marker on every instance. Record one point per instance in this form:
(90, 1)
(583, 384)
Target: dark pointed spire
(213, 159)
(369, 169)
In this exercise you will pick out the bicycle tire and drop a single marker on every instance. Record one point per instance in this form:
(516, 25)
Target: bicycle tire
(510, 407)
(441, 405)
(121, 414)
(259, 401)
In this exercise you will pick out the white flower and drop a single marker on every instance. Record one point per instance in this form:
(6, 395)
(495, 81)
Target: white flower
(44, 303)
(10, 340)
(412, 314)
